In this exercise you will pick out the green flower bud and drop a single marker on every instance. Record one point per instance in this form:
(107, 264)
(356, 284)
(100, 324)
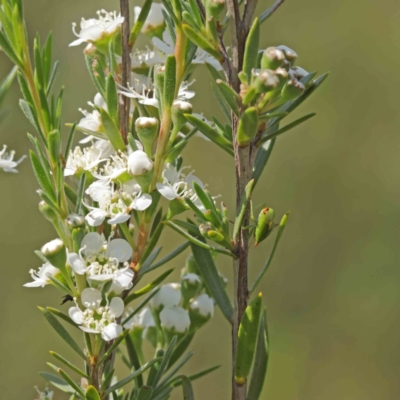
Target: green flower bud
(175, 207)
(292, 90)
(248, 127)
(266, 81)
(201, 310)
(272, 58)
(265, 224)
(179, 108)
(55, 253)
(299, 72)
(205, 228)
(175, 321)
(290, 54)
(190, 286)
(75, 221)
(147, 131)
(219, 238)
(214, 8)
(48, 212)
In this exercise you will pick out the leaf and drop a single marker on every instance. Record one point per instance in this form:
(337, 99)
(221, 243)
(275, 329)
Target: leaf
(246, 196)
(6, 83)
(41, 176)
(251, 49)
(230, 96)
(262, 157)
(112, 131)
(174, 358)
(92, 393)
(132, 376)
(29, 114)
(139, 307)
(247, 338)
(69, 142)
(267, 13)
(260, 362)
(169, 82)
(71, 382)
(99, 80)
(198, 374)
(7, 48)
(166, 259)
(284, 129)
(148, 287)
(208, 131)
(80, 193)
(150, 259)
(69, 364)
(198, 242)
(57, 382)
(144, 393)
(212, 280)
(112, 98)
(133, 357)
(137, 27)
(264, 269)
(187, 389)
(62, 332)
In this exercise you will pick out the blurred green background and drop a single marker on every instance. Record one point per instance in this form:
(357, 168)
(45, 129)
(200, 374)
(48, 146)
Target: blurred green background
(332, 292)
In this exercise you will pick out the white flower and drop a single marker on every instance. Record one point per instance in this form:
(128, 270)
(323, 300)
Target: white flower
(115, 204)
(93, 30)
(100, 261)
(143, 320)
(146, 58)
(169, 295)
(97, 318)
(40, 278)
(154, 19)
(7, 163)
(139, 163)
(204, 304)
(90, 121)
(175, 319)
(53, 247)
(177, 184)
(83, 160)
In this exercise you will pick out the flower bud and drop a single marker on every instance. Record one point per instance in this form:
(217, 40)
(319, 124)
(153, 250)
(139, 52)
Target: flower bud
(55, 253)
(201, 310)
(292, 90)
(299, 72)
(75, 221)
(175, 321)
(190, 286)
(214, 8)
(266, 81)
(205, 228)
(169, 295)
(147, 130)
(290, 54)
(265, 224)
(248, 127)
(176, 206)
(179, 108)
(139, 163)
(47, 211)
(272, 58)
(219, 238)
(159, 78)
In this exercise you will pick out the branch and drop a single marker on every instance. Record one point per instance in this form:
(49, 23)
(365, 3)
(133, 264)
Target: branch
(125, 102)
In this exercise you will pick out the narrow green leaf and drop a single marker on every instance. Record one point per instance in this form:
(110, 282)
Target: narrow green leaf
(251, 48)
(6, 83)
(112, 98)
(112, 131)
(71, 382)
(201, 42)
(137, 27)
(164, 394)
(212, 280)
(260, 362)
(264, 269)
(230, 96)
(133, 357)
(61, 315)
(69, 364)
(92, 393)
(88, 132)
(70, 141)
(267, 13)
(41, 176)
(131, 377)
(99, 80)
(62, 331)
(262, 157)
(181, 347)
(247, 339)
(169, 82)
(187, 388)
(7, 48)
(144, 393)
(58, 382)
(108, 377)
(198, 375)
(198, 242)
(246, 196)
(284, 129)
(151, 244)
(80, 193)
(166, 259)
(208, 131)
(150, 259)
(148, 287)
(53, 76)
(29, 114)
(165, 361)
(139, 307)
(115, 344)
(59, 285)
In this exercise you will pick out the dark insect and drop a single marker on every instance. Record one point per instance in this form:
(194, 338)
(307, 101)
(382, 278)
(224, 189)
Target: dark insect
(67, 298)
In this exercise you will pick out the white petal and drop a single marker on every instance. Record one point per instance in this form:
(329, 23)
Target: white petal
(76, 315)
(101, 277)
(123, 278)
(93, 243)
(142, 202)
(76, 263)
(91, 298)
(119, 218)
(77, 42)
(175, 318)
(166, 190)
(96, 217)
(117, 306)
(111, 332)
(89, 330)
(37, 283)
(93, 32)
(119, 249)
